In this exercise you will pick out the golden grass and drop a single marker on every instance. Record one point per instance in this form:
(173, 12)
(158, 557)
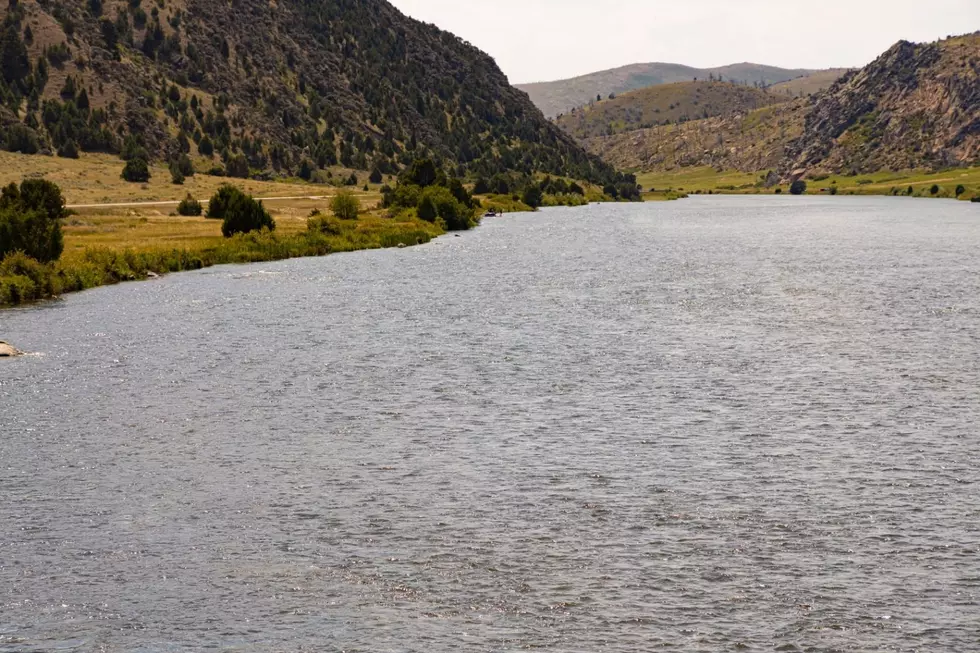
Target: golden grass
(96, 179)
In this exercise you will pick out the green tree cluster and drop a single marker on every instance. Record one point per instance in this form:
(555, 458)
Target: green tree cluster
(425, 187)
(239, 212)
(30, 220)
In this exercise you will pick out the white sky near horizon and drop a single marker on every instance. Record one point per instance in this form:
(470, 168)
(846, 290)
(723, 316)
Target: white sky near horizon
(544, 40)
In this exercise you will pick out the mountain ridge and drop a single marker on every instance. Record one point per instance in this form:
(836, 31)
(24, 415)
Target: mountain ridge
(561, 96)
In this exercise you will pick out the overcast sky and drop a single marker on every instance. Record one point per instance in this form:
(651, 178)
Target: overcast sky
(544, 40)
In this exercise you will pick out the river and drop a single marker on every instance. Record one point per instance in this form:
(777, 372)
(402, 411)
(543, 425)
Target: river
(725, 423)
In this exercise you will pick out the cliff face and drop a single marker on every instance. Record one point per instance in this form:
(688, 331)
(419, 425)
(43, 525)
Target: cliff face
(916, 106)
(269, 81)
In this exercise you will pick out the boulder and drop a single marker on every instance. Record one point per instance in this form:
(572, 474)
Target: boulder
(6, 351)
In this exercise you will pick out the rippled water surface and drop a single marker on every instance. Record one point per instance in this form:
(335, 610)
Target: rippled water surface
(710, 425)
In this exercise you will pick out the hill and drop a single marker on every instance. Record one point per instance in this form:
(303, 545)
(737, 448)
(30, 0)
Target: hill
(564, 95)
(915, 107)
(258, 86)
(810, 84)
(748, 142)
(664, 105)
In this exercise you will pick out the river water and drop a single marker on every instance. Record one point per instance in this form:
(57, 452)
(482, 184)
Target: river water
(719, 424)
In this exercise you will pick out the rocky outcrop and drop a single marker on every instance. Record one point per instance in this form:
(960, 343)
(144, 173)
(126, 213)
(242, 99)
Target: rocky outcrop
(7, 351)
(916, 106)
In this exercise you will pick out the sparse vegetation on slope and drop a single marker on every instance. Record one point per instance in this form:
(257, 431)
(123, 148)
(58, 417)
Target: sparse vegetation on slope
(666, 104)
(258, 88)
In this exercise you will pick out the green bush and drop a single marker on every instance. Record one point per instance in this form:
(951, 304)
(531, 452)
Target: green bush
(798, 187)
(323, 224)
(240, 212)
(934, 190)
(533, 197)
(30, 220)
(176, 176)
(68, 150)
(136, 170)
(960, 189)
(345, 205)
(189, 207)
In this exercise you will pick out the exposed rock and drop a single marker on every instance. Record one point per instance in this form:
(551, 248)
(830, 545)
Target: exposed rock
(7, 351)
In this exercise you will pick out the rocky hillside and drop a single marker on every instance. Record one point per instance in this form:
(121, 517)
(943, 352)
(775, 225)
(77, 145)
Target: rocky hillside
(564, 95)
(750, 142)
(262, 86)
(666, 104)
(916, 106)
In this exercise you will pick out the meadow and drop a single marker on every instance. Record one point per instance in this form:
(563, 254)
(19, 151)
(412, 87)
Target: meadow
(708, 180)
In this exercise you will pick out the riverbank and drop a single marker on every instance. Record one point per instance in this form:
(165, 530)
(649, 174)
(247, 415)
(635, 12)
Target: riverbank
(107, 249)
(705, 180)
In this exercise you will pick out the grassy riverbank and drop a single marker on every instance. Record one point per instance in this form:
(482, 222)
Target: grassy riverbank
(103, 250)
(706, 179)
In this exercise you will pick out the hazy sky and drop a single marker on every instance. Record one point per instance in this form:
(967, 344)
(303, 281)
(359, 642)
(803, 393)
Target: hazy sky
(543, 40)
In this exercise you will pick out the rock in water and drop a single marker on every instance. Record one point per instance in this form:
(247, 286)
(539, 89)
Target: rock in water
(6, 351)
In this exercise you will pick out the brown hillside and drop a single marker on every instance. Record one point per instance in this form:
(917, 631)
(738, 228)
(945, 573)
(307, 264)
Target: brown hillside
(664, 105)
(748, 142)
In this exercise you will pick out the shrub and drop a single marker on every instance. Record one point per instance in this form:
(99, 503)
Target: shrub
(176, 176)
(439, 202)
(833, 190)
(532, 196)
(189, 206)
(136, 170)
(305, 170)
(975, 199)
(20, 138)
(239, 212)
(960, 189)
(376, 176)
(236, 165)
(345, 205)
(798, 187)
(324, 224)
(185, 165)
(481, 187)
(68, 150)
(934, 190)
(427, 209)
(30, 220)
(779, 191)
(220, 201)
(244, 214)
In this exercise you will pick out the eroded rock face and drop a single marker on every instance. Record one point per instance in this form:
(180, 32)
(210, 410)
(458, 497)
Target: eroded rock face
(7, 351)
(916, 106)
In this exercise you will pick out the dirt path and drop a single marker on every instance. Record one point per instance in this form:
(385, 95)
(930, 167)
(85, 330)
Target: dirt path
(176, 202)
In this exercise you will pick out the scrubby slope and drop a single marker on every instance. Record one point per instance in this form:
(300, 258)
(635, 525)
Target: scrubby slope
(664, 105)
(270, 82)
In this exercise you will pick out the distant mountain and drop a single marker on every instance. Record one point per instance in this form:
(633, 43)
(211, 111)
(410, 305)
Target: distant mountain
(259, 86)
(664, 105)
(916, 106)
(562, 96)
